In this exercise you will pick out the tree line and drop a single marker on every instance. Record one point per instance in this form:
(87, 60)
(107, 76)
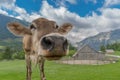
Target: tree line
(9, 53)
(115, 46)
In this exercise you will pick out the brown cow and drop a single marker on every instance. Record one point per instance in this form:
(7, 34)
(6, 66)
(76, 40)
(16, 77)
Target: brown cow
(42, 40)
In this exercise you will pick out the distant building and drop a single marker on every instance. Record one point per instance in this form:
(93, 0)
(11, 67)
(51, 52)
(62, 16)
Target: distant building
(88, 53)
(110, 51)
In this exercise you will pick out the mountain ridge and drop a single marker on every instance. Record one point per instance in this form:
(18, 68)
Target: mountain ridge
(102, 38)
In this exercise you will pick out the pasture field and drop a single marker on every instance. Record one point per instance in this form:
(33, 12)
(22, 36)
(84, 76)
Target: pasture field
(117, 53)
(1, 47)
(15, 70)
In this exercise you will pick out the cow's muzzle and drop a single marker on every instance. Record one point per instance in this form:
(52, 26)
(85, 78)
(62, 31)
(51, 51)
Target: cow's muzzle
(52, 42)
(54, 46)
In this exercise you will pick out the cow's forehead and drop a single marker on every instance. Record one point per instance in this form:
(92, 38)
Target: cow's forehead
(43, 21)
(40, 19)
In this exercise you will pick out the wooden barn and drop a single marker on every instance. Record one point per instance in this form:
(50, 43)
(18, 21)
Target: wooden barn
(88, 53)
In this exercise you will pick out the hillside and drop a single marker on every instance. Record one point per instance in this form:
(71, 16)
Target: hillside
(101, 39)
(7, 38)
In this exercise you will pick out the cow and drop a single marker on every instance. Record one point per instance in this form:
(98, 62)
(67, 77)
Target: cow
(42, 40)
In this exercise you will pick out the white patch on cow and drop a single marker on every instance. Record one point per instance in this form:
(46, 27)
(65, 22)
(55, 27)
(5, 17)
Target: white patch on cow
(54, 34)
(34, 58)
(40, 51)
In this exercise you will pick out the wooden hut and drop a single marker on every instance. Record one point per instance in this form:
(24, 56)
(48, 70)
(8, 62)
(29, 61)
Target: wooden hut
(88, 53)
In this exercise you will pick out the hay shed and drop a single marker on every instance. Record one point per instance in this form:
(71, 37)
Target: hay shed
(88, 53)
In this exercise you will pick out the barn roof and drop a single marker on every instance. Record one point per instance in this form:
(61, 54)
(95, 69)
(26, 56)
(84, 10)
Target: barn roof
(86, 49)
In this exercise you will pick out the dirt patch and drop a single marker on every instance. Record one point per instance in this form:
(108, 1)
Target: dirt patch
(87, 62)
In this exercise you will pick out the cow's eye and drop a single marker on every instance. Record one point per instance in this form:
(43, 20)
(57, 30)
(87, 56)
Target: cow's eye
(32, 26)
(56, 26)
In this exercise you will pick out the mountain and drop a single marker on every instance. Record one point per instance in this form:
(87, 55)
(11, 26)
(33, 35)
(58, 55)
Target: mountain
(7, 38)
(101, 39)
(4, 33)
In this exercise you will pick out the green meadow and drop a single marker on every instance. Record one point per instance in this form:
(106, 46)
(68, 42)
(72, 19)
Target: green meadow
(1, 47)
(15, 70)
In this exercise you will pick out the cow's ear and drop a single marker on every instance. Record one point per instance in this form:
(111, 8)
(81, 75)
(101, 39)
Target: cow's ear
(18, 29)
(65, 28)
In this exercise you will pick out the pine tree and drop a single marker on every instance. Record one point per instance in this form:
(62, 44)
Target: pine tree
(102, 48)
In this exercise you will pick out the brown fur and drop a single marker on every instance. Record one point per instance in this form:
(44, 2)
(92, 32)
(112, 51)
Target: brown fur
(18, 29)
(32, 37)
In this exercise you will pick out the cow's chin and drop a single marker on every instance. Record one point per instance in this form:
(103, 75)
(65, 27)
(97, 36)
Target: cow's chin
(54, 55)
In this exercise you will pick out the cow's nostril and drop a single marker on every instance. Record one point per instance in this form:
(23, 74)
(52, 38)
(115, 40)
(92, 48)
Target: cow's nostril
(47, 43)
(65, 44)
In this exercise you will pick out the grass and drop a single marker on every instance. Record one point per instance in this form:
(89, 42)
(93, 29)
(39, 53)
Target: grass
(1, 47)
(15, 70)
(117, 53)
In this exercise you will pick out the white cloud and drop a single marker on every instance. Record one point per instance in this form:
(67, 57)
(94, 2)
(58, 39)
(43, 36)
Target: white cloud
(20, 10)
(34, 16)
(3, 12)
(7, 3)
(18, 17)
(108, 20)
(111, 2)
(63, 2)
(72, 1)
(112, 16)
(94, 1)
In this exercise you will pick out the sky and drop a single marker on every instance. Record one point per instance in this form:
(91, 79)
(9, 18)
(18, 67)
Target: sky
(89, 17)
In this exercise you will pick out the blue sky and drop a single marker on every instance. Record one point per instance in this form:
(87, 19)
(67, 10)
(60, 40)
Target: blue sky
(89, 17)
(29, 5)
(81, 7)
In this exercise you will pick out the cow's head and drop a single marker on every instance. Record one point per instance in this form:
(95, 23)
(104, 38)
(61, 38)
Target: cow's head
(46, 36)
